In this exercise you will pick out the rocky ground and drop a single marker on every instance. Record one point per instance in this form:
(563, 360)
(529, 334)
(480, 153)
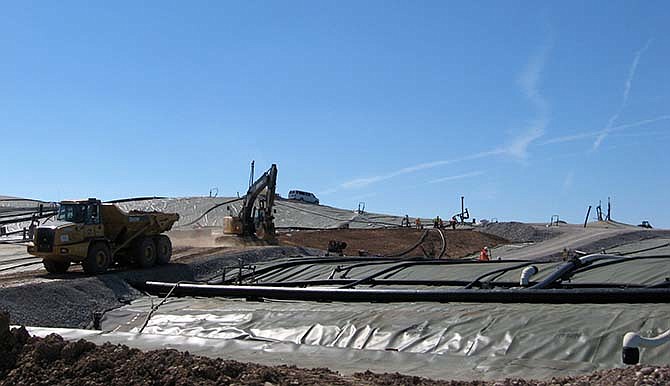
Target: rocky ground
(71, 299)
(460, 242)
(26, 360)
(518, 232)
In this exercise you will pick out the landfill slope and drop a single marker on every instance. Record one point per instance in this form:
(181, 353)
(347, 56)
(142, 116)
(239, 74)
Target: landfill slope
(381, 242)
(540, 242)
(289, 213)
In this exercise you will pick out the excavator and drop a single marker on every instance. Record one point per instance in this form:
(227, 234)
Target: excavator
(253, 222)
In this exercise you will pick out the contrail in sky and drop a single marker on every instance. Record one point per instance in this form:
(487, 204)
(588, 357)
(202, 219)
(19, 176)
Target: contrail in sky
(624, 97)
(517, 148)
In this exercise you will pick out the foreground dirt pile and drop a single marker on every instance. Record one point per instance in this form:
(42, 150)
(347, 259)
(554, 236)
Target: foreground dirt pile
(460, 242)
(26, 360)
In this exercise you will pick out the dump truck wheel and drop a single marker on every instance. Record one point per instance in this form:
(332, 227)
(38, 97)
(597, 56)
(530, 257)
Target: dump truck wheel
(163, 249)
(145, 252)
(98, 260)
(56, 266)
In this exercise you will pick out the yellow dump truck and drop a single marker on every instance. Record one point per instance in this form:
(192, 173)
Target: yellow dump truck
(99, 235)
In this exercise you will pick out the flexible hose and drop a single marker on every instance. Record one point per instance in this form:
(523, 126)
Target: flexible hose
(501, 270)
(572, 266)
(444, 244)
(335, 218)
(413, 247)
(120, 200)
(211, 209)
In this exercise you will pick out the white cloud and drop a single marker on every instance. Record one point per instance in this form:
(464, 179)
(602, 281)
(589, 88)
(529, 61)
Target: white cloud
(592, 134)
(624, 97)
(517, 148)
(530, 78)
(456, 177)
(568, 181)
(529, 82)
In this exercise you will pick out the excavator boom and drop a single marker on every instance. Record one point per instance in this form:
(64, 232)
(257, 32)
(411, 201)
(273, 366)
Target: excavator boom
(244, 224)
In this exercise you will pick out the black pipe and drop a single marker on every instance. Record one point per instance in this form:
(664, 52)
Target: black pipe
(501, 270)
(372, 260)
(444, 244)
(133, 199)
(395, 269)
(619, 261)
(410, 249)
(28, 218)
(209, 210)
(560, 273)
(345, 220)
(402, 266)
(313, 260)
(637, 295)
(347, 269)
(441, 283)
(586, 220)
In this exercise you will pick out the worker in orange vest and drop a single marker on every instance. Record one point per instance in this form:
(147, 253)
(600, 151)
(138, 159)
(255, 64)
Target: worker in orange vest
(485, 254)
(418, 223)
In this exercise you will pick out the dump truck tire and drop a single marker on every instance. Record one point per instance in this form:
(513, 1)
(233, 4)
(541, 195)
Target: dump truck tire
(145, 252)
(97, 261)
(56, 266)
(163, 249)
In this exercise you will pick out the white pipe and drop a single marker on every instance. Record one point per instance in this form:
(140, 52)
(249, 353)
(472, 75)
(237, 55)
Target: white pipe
(632, 342)
(526, 274)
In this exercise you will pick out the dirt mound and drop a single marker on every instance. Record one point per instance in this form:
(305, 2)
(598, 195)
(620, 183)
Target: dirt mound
(460, 243)
(26, 360)
(517, 232)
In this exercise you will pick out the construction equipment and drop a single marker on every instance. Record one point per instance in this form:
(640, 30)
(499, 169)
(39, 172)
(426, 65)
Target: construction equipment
(464, 214)
(256, 222)
(99, 235)
(645, 224)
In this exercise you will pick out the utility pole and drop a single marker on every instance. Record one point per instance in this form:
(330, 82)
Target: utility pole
(599, 210)
(587, 216)
(462, 209)
(609, 210)
(251, 176)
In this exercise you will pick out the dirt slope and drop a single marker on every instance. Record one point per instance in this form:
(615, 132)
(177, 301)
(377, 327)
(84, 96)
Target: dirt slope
(460, 243)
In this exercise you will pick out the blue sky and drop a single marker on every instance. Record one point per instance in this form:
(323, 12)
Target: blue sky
(527, 108)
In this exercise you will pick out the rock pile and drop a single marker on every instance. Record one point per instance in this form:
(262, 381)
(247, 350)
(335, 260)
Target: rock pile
(517, 232)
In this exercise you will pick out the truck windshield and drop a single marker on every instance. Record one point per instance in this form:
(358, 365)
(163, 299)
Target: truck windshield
(72, 213)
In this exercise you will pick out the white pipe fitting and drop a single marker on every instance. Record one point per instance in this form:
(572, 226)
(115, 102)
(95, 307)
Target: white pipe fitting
(632, 342)
(526, 274)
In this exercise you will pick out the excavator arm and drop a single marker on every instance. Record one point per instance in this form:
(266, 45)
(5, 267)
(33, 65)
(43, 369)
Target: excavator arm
(268, 183)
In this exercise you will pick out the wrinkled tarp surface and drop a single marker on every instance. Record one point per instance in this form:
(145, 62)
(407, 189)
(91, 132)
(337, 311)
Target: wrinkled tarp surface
(465, 339)
(547, 339)
(633, 272)
(343, 360)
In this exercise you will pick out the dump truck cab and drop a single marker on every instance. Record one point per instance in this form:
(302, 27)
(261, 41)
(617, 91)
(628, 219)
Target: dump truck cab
(98, 235)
